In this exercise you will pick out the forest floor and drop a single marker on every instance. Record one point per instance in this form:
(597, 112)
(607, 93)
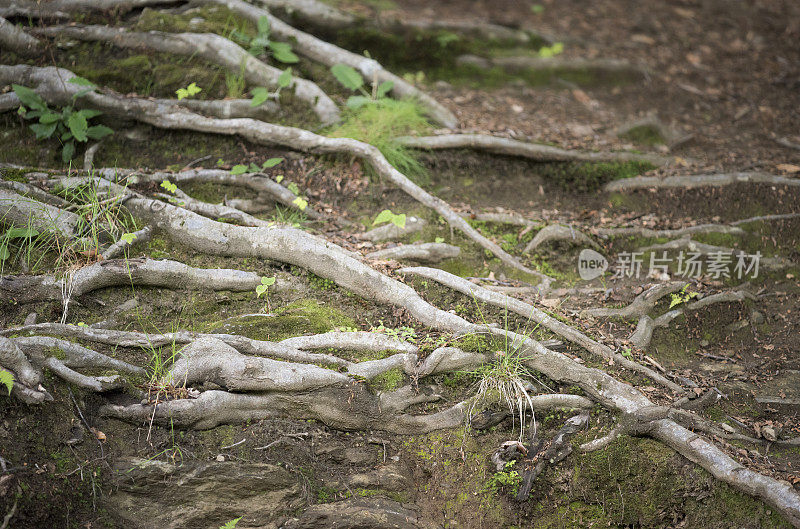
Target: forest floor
(723, 81)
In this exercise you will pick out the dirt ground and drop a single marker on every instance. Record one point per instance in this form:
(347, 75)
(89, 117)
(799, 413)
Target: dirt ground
(723, 75)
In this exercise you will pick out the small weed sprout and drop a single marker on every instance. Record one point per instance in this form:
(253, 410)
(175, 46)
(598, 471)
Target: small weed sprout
(682, 296)
(253, 168)
(261, 94)
(263, 288)
(262, 43)
(190, 91)
(230, 524)
(386, 215)
(7, 379)
(508, 478)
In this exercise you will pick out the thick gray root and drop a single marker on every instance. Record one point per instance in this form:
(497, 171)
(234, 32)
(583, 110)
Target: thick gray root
(49, 84)
(539, 317)
(532, 151)
(559, 232)
(14, 39)
(122, 272)
(34, 192)
(228, 108)
(26, 212)
(211, 47)
(430, 252)
(641, 305)
(75, 355)
(597, 67)
(13, 359)
(330, 55)
(689, 182)
(213, 211)
(351, 341)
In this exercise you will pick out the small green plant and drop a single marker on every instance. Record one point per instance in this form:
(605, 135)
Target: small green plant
(289, 216)
(261, 94)
(7, 379)
(190, 91)
(231, 524)
(386, 215)
(253, 168)
(169, 186)
(261, 43)
(67, 125)
(551, 51)
(537, 9)
(682, 296)
(508, 479)
(380, 123)
(626, 352)
(406, 334)
(446, 38)
(263, 288)
(352, 80)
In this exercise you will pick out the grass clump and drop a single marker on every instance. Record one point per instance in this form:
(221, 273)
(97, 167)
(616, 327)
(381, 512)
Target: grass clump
(380, 123)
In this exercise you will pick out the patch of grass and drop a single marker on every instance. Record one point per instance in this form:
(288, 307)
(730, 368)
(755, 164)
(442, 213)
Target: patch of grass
(588, 177)
(379, 123)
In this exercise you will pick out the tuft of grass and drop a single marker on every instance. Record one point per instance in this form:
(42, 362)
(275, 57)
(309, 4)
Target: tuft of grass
(379, 123)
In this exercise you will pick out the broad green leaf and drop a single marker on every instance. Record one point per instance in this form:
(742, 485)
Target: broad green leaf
(43, 131)
(81, 81)
(66, 136)
(356, 102)
(21, 233)
(272, 162)
(301, 203)
(291, 186)
(4, 253)
(97, 132)
(285, 78)
(193, 89)
(260, 95)
(260, 289)
(399, 220)
(81, 93)
(29, 98)
(282, 52)
(254, 168)
(268, 281)
(46, 117)
(346, 75)
(384, 216)
(68, 151)
(279, 178)
(384, 88)
(7, 379)
(128, 237)
(263, 25)
(169, 186)
(89, 113)
(239, 169)
(78, 126)
(182, 93)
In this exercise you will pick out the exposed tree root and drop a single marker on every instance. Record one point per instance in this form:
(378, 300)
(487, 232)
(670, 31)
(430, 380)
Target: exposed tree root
(651, 233)
(122, 272)
(267, 188)
(22, 211)
(602, 68)
(539, 317)
(559, 232)
(211, 47)
(644, 329)
(429, 252)
(351, 341)
(641, 305)
(533, 151)
(228, 108)
(502, 218)
(689, 182)
(330, 55)
(14, 39)
(35, 193)
(770, 263)
(48, 83)
(213, 211)
(139, 236)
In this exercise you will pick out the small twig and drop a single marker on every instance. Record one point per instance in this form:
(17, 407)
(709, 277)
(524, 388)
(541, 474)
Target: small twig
(201, 159)
(234, 444)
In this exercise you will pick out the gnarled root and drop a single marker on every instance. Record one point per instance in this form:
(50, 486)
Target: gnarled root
(689, 182)
(559, 232)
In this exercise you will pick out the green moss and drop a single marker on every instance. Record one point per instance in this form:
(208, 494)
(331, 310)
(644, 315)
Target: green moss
(388, 381)
(588, 177)
(14, 175)
(644, 135)
(306, 316)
